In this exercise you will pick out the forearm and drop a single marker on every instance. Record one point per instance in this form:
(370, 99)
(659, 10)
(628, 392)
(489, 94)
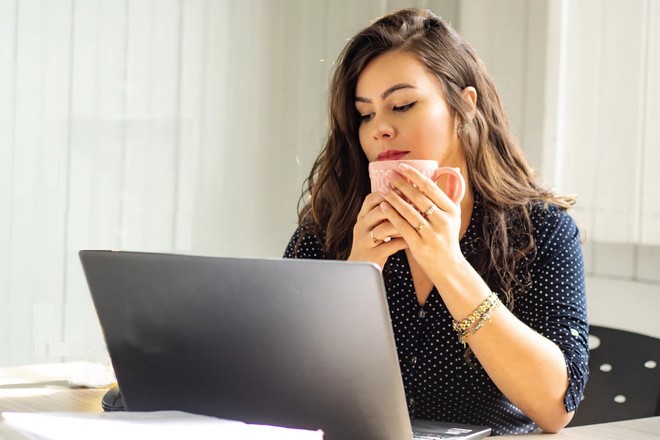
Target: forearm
(528, 368)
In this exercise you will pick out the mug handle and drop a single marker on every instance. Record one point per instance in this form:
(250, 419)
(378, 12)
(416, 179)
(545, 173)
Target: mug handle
(455, 190)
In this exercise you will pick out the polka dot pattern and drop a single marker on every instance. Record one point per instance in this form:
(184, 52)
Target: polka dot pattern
(439, 383)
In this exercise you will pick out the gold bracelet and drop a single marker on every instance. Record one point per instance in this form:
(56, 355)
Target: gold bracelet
(487, 316)
(474, 316)
(478, 316)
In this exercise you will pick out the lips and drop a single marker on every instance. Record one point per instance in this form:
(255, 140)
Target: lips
(392, 154)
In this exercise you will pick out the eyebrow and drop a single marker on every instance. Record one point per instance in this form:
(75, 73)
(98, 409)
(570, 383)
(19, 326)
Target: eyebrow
(386, 93)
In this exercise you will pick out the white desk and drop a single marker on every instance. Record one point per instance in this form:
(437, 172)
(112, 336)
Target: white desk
(638, 429)
(44, 388)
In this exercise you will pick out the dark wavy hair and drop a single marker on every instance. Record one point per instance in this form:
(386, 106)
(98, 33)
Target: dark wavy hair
(499, 174)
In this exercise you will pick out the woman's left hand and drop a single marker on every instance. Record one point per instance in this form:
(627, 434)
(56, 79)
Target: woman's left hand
(429, 221)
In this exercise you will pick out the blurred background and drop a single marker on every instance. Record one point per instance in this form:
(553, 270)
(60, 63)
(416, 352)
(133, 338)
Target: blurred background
(189, 126)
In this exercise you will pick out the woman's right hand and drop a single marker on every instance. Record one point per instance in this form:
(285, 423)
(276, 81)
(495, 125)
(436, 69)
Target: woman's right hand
(371, 231)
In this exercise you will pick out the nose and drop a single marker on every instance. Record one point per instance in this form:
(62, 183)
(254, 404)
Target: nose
(383, 129)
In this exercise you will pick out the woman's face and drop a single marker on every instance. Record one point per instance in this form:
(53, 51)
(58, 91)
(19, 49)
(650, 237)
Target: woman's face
(403, 112)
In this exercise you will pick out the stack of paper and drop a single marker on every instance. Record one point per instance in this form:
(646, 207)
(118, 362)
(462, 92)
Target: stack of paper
(164, 425)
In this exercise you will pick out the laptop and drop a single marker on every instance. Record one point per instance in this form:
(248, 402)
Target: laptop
(298, 343)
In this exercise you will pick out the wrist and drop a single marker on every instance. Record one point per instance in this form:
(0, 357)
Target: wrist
(458, 278)
(452, 269)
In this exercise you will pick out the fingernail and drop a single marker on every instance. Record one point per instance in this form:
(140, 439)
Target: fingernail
(384, 206)
(404, 166)
(384, 190)
(391, 174)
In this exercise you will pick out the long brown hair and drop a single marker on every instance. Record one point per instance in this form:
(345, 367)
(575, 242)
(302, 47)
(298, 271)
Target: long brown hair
(505, 184)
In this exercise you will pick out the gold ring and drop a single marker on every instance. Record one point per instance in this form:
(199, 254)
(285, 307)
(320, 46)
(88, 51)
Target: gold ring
(421, 226)
(375, 240)
(429, 211)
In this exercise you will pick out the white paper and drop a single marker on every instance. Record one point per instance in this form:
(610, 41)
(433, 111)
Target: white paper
(163, 425)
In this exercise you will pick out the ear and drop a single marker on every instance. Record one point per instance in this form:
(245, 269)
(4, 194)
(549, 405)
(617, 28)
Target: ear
(469, 94)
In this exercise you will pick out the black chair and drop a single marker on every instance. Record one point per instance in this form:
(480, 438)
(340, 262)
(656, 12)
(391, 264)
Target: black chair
(624, 377)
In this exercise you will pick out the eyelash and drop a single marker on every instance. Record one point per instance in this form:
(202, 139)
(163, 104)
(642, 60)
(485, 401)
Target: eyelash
(404, 108)
(399, 109)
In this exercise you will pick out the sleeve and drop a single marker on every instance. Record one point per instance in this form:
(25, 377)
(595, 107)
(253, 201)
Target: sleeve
(555, 306)
(305, 244)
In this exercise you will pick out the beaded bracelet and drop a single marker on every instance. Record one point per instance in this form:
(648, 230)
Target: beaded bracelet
(479, 316)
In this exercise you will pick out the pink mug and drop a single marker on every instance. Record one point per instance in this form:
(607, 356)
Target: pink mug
(429, 168)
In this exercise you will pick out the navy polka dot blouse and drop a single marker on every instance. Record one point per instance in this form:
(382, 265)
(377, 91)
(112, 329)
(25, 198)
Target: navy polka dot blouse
(439, 383)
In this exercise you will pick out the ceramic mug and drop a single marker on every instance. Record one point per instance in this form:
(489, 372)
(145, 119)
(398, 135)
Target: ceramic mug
(429, 168)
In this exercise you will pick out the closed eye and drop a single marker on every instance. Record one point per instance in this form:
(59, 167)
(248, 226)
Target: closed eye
(404, 108)
(400, 109)
(366, 118)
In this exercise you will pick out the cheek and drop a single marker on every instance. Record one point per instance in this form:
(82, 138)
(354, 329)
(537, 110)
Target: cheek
(441, 125)
(363, 138)
(434, 136)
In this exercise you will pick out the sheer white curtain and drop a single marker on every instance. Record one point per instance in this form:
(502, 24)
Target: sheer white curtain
(145, 125)
(155, 125)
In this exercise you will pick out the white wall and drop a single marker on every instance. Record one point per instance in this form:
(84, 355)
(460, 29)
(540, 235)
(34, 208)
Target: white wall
(190, 125)
(625, 304)
(578, 79)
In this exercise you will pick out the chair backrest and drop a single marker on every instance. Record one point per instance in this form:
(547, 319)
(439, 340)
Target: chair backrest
(624, 377)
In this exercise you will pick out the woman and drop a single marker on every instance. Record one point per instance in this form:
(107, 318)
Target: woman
(409, 87)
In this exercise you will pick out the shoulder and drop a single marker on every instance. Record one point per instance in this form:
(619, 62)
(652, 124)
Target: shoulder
(550, 221)
(305, 244)
(553, 229)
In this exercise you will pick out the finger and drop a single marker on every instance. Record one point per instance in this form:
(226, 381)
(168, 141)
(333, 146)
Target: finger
(370, 215)
(384, 250)
(385, 231)
(408, 232)
(393, 246)
(410, 192)
(403, 225)
(428, 187)
(370, 202)
(405, 210)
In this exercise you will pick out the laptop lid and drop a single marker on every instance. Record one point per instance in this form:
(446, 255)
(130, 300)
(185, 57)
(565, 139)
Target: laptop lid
(298, 343)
